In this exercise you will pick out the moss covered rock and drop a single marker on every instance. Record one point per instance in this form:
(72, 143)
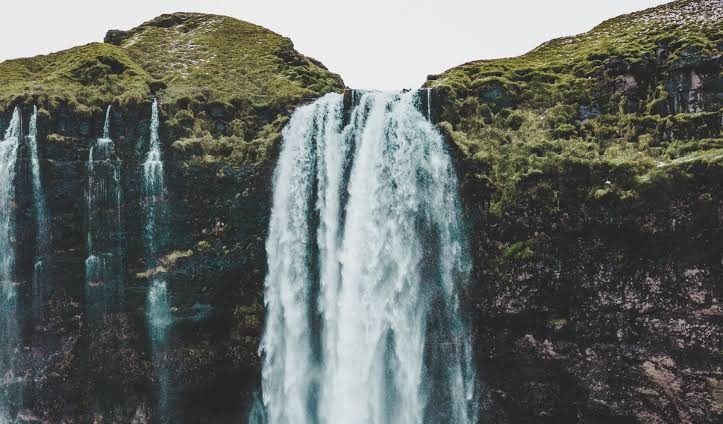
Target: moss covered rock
(225, 90)
(592, 173)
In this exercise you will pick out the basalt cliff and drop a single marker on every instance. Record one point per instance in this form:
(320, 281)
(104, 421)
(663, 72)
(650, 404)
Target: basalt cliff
(590, 171)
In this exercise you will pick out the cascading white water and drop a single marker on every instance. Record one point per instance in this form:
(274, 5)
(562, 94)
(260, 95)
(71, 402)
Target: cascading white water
(157, 302)
(103, 264)
(8, 285)
(365, 258)
(41, 219)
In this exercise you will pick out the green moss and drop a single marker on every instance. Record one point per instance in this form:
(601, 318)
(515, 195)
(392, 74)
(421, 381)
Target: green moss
(550, 128)
(233, 150)
(519, 251)
(564, 70)
(225, 86)
(564, 131)
(249, 318)
(91, 75)
(217, 59)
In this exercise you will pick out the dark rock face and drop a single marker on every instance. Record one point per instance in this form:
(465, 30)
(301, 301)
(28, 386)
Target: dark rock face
(690, 82)
(78, 371)
(616, 320)
(616, 317)
(585, 309)
(611, 310)
(596, 294)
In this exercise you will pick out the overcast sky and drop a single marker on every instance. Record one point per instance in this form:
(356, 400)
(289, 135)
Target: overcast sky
(382, 44)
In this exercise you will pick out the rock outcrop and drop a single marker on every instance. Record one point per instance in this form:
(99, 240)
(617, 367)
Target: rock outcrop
(592, 171)
(226, 89)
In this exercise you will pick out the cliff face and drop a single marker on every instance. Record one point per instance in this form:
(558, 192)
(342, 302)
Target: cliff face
(593, 169)
(226, 88)
(591, 172)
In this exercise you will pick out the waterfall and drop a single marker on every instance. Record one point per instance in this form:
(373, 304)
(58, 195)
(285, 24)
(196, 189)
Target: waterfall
(106, 124)
(41, 220)
(9, 338)
(366, 257)
(103, 266)
(157, 303)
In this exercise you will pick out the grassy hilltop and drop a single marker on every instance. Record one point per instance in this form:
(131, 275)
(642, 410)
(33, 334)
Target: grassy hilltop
(218, 79)
(635, 99)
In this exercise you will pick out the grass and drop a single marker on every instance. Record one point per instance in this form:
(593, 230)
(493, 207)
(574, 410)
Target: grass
(220, 59)
(564, 69)
(553, 124)
(225, 86)
(86, 76)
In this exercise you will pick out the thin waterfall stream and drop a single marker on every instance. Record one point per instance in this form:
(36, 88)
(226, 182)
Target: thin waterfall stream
(42, 235)
(103, 265)
(10, 391)
(157, 301)
(366, 258)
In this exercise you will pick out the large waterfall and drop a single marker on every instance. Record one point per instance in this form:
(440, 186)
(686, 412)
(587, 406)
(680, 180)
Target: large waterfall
(365, 261)
(157, 303)
(103, 266)
(42, 232)
(9, 338)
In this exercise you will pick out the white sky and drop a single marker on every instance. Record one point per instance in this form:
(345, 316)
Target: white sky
(382, 44)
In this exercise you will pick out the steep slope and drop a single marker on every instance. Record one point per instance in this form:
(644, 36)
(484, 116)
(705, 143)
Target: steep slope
(593, 173)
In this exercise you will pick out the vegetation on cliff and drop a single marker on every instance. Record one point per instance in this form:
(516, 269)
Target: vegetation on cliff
(633, 105)
(592, 173)
(225, 89)
(217, 78)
